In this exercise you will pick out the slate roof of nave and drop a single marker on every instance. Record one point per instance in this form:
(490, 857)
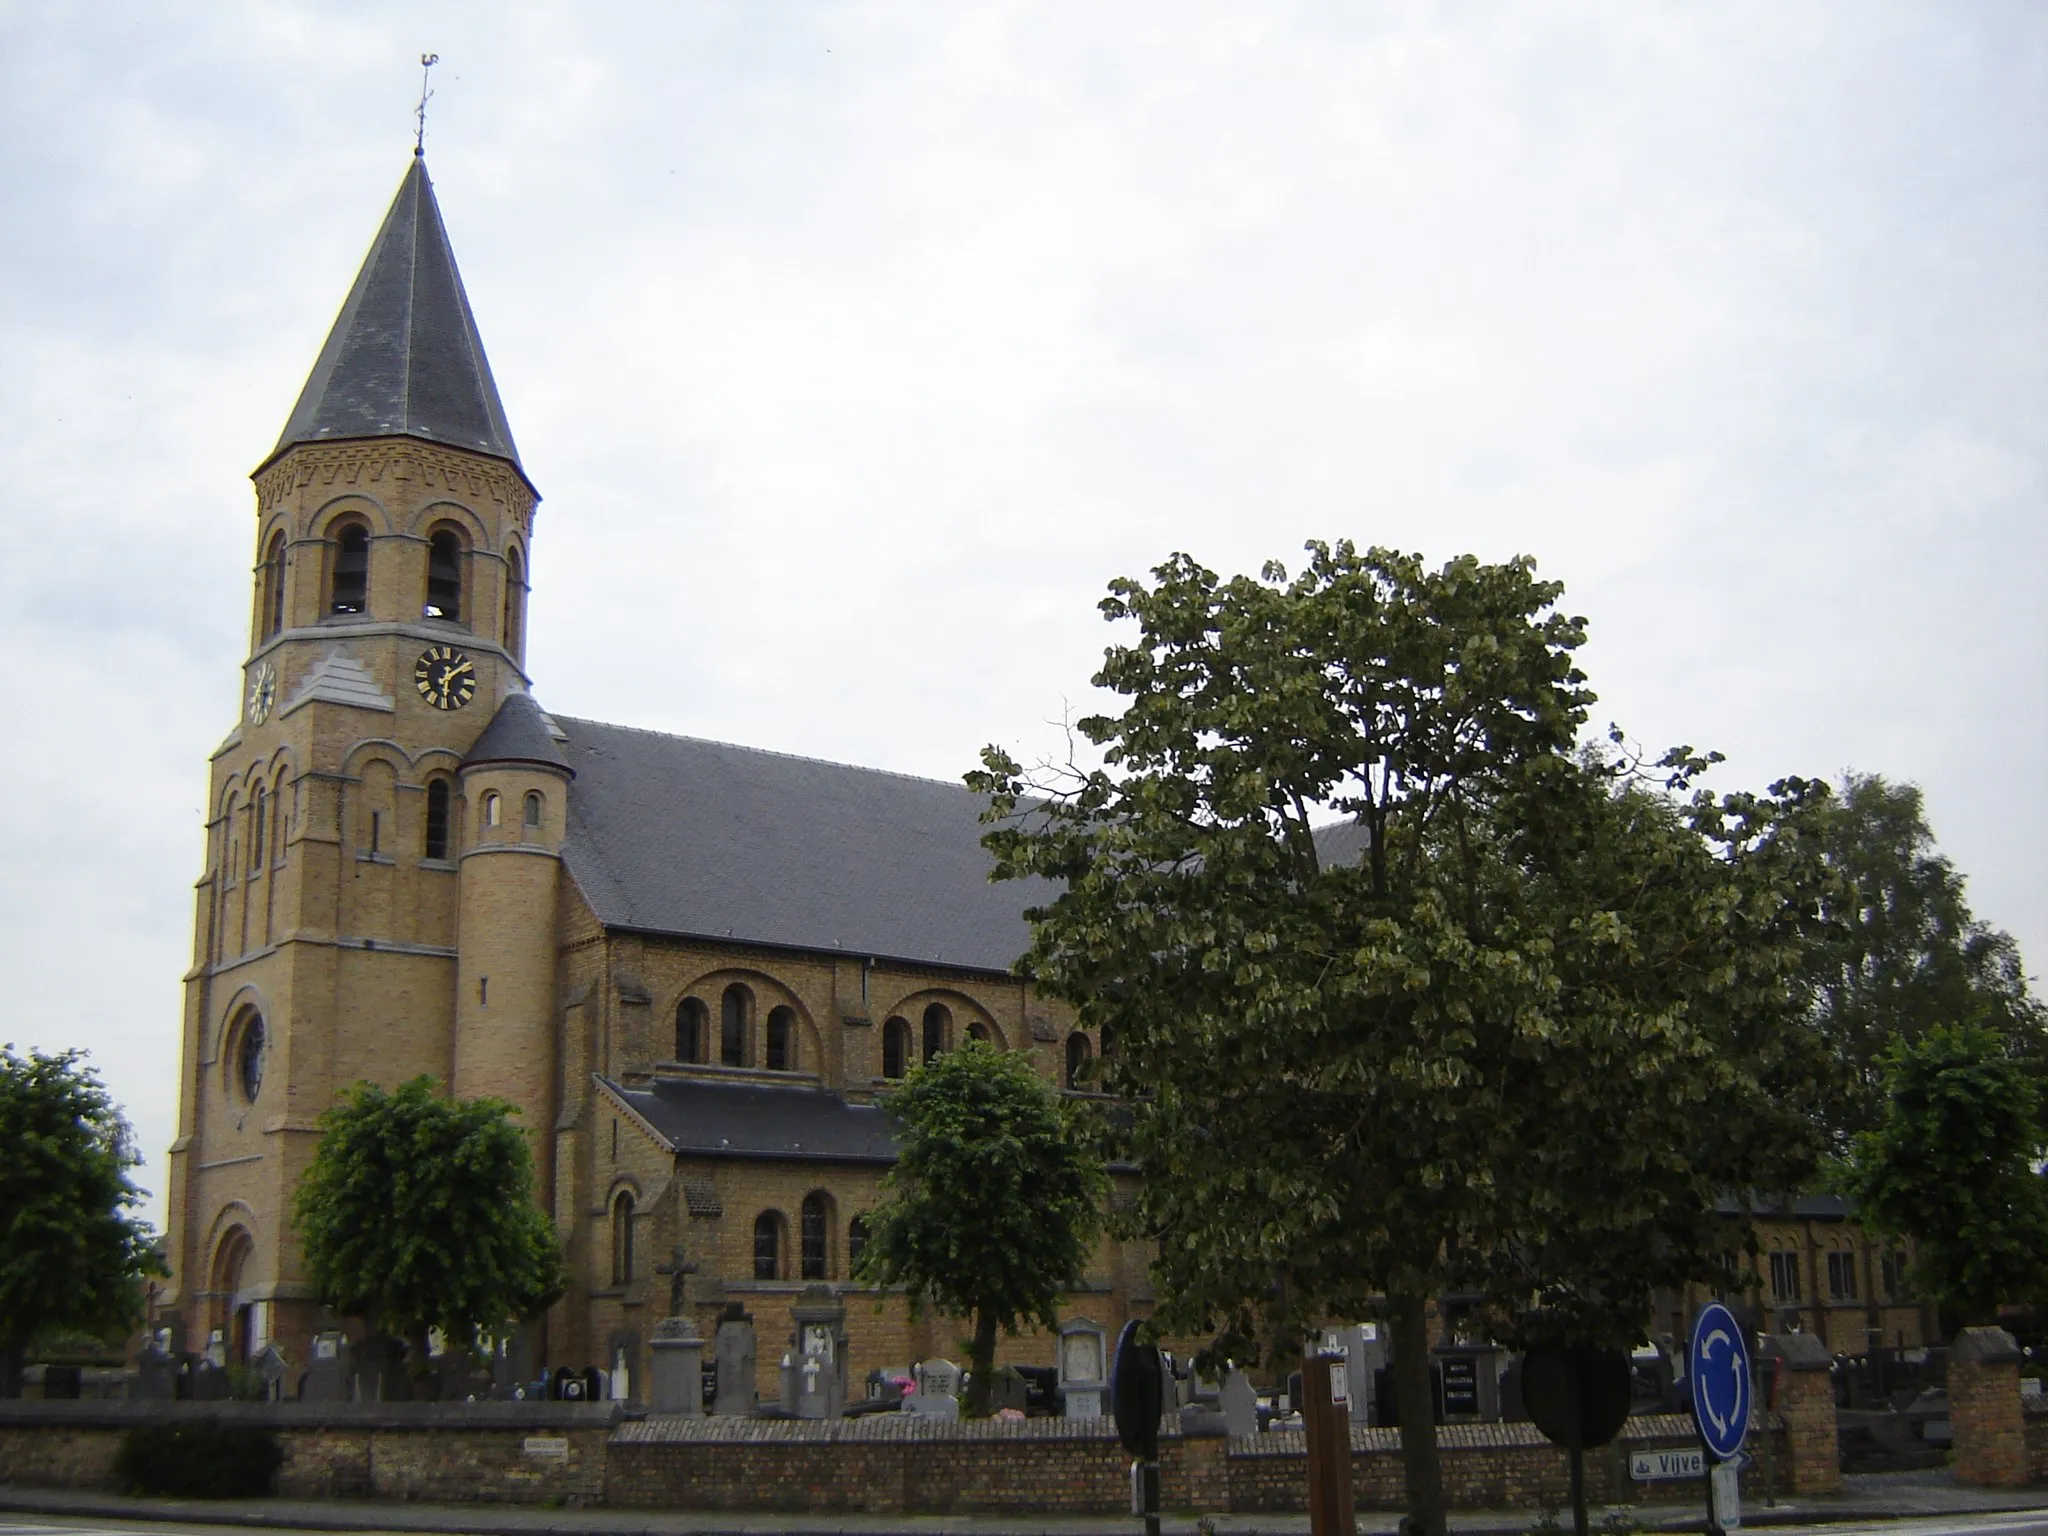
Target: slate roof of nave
(702, 1117)
(672, 834)
(404, 358)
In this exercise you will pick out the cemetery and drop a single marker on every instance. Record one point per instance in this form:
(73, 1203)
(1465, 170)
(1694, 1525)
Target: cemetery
(698, 1434)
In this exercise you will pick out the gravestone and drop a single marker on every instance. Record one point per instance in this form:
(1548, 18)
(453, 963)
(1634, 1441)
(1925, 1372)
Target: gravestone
(567, 1386)
(819, 1340)
(326, 1379)
(678, 1368)
(1084, 1367)
(1365, 1355)
(377, 1371)
(512, 1371)
(1007, 1391)
(216, 1351)
(596, 1385)
(1469, 1383)
(938, 1390)
(271, 1369)
(1240, 1404)
(155, 1374)
(733, 1347)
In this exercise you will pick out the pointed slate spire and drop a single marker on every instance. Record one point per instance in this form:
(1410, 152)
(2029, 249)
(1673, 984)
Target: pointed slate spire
(404, 358)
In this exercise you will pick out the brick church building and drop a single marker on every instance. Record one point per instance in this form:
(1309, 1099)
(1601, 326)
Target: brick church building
(694, 967)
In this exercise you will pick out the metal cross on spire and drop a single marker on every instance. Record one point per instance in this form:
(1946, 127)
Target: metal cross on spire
(419, 138)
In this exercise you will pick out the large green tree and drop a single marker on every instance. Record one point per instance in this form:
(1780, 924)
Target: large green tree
(1409, 991)
(72, 1254)
(993, 1204)
(1952, 1164)
(417, 1213)
(1903, 952)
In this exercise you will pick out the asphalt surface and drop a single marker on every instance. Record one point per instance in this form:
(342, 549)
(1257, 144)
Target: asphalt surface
(1893, 1504)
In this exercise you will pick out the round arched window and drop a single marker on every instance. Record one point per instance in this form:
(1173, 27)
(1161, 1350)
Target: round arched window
(249, 1057)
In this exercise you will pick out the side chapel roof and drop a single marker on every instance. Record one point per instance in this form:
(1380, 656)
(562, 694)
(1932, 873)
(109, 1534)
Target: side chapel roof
(404, 358)
(700, 1118)
(671, 834)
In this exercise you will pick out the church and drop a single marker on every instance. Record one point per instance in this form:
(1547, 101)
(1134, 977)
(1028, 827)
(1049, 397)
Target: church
(694, 968)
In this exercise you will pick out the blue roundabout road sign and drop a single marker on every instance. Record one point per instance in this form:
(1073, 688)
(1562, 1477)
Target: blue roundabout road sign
(1717, 1370)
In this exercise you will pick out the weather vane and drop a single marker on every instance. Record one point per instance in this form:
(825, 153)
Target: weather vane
(419, 138)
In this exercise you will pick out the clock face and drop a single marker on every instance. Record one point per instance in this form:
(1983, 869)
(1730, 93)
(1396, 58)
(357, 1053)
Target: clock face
(445, 677)
(262, 693)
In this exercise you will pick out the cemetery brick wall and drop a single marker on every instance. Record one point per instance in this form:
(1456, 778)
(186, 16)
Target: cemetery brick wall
(1485, 1466)
(2036, 1411)
(468, 1452)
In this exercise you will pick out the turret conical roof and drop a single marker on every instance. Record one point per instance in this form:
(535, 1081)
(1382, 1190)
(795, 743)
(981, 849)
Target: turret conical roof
(404, 358)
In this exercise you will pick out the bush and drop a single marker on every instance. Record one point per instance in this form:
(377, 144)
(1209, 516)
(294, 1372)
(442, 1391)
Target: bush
(199, 1459)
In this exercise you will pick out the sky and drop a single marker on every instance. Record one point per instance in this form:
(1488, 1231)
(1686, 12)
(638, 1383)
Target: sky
(856, 347)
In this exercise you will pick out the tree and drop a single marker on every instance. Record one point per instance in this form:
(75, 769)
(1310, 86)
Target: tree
(1904, 952)
(994, 1201)
(1952, 1165)
(417, 1213)
(1409, 992)
(71, 1254)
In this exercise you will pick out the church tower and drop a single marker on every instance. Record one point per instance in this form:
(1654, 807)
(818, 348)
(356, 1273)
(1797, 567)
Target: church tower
(344, 928)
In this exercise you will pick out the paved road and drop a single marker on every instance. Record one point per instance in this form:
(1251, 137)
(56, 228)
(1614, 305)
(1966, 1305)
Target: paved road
(2016, 1523)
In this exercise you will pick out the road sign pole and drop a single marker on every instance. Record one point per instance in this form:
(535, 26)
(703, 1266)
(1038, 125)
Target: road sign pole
(1575, 1445)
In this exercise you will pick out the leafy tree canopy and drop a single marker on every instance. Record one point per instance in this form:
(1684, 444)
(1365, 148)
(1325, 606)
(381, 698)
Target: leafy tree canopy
(71, 1254)
(1904, 953)
(1952, 1164)
(993, 1204)
(1409, 992)
(418, 1212)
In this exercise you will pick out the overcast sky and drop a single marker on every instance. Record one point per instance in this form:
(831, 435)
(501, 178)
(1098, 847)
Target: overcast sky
(855, 347)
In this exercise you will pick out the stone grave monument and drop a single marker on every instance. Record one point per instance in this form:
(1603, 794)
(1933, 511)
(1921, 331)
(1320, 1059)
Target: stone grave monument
(156, 1372)
(326, 1378)
(271, 1369)
(733, 1348)
(1084, 1367)
(1240, 1404)
(678, 1368)
(938, 1390)
(1365, 1355)
(819, 1345)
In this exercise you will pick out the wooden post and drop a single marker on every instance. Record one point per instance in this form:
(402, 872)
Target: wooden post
(1326, 1415)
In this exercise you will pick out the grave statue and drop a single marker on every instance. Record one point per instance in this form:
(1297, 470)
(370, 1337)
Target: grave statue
(678, 1271)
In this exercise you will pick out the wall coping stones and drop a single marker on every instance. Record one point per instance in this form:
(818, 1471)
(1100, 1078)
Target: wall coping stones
(1798, 1351)
(86, 1413)
(896, 1427)
(1984, 1346)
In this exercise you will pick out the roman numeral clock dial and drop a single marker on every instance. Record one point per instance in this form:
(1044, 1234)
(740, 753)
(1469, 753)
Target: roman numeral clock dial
(445, 677)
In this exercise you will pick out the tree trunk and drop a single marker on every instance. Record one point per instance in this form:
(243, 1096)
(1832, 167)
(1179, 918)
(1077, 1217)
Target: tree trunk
(981, 1361)
(1420, 1470)
(418, 1367)
(12, 1352)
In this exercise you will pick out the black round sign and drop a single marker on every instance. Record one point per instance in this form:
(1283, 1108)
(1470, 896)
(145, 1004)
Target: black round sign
(1136, 1394)
(1560, 1379)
